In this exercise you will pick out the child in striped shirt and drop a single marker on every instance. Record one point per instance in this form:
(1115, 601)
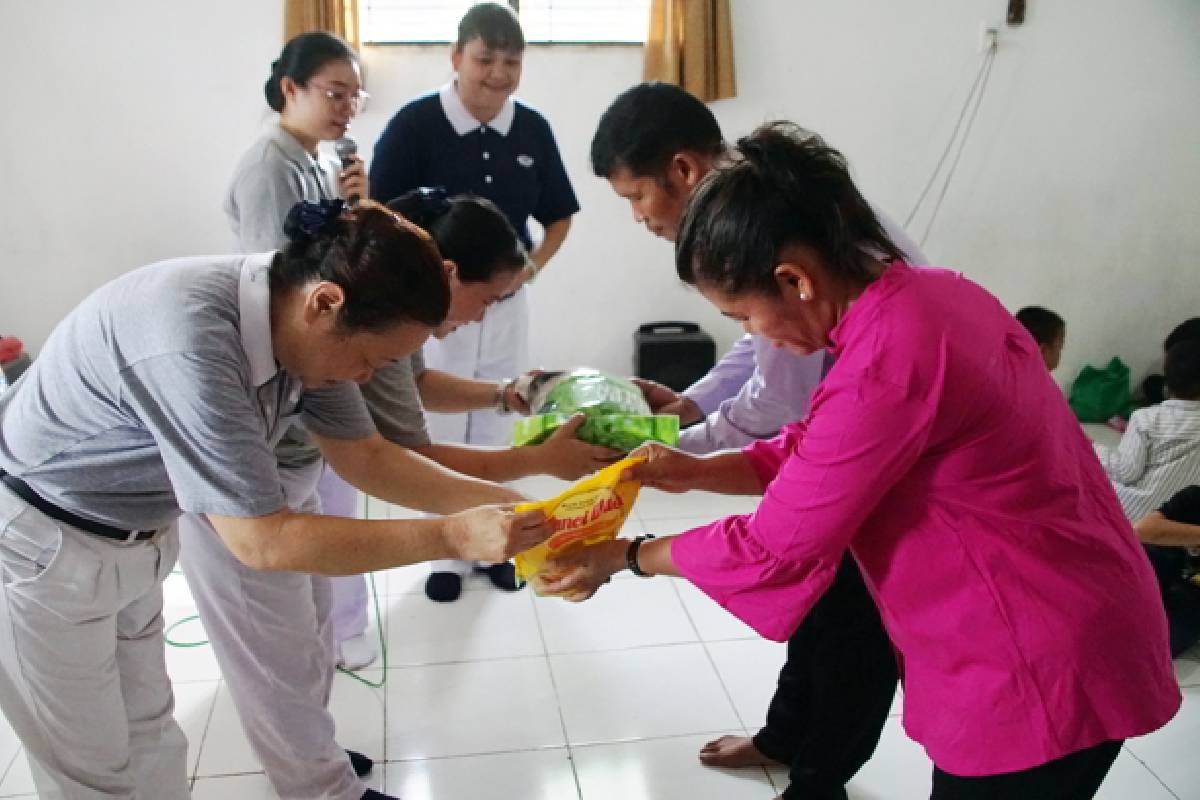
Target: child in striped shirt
(1160, 451)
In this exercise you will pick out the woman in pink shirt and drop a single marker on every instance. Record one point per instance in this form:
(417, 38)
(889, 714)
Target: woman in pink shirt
(940, 452)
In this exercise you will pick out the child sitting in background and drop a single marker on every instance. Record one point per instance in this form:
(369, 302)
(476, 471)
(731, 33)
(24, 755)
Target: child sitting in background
(1160, 451)
(1048, 330)
(1153, 388)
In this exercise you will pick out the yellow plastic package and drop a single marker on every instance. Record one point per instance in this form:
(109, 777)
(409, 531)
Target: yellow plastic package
(591, 511)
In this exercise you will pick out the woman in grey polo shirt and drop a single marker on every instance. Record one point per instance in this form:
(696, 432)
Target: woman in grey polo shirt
(165, 391)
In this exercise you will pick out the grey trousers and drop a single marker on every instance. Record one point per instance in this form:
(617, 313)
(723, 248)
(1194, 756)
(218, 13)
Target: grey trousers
(83, 677)
(273, 638)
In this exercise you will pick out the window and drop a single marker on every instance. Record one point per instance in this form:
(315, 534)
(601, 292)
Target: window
(580, 21)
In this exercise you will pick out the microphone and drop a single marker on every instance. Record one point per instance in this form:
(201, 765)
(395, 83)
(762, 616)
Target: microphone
(346, 149)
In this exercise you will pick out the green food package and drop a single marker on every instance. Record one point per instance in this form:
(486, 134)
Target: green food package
(617, 414)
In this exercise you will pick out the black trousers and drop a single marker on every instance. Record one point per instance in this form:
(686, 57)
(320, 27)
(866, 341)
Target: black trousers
(1181, 598)
(1074, 777)
(834, 693)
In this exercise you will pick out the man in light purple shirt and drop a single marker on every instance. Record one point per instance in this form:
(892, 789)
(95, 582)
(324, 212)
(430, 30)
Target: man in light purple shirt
(654, 144)
(756, 388)
(753, 391)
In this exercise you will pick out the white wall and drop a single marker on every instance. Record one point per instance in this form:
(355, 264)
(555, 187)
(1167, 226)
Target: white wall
(120, 127)
(1078, 189)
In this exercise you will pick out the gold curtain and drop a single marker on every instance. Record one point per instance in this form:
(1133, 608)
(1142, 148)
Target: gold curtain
(335, 16)
(691, 45)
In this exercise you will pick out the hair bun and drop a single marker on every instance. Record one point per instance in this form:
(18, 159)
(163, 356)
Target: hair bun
(306, 221)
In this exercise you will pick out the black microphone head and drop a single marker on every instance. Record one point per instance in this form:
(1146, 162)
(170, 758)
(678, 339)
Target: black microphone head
(345, 147)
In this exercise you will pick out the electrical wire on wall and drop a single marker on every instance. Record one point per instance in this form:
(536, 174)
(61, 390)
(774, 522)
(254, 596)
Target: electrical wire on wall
(966, 119)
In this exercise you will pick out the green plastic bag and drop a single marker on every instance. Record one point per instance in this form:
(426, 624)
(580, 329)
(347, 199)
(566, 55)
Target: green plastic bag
(1098, 395)
(617, 414)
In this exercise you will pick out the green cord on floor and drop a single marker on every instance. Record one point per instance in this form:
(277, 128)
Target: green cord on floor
(378, 625)
(382, 644)
(167, 633)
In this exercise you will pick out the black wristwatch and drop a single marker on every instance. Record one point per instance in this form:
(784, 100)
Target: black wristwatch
(631, 555)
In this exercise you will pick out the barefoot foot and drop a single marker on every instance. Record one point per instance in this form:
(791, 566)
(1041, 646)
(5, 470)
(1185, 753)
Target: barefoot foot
(733, 751)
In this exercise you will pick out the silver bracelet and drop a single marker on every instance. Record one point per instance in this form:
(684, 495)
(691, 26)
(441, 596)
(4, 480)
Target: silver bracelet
(501, 401)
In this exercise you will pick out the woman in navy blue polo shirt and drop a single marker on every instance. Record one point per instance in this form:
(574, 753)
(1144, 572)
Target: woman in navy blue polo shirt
(471, 136)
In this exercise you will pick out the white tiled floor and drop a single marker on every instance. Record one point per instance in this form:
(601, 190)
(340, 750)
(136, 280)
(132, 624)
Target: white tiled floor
(512, 696)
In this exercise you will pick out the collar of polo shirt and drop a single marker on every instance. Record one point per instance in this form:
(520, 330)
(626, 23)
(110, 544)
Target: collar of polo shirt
(464, 122)
(305, 161)
(292, 148)
(254, 315)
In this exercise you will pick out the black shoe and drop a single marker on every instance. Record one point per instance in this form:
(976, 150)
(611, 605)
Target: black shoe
(362, 764)
(443, 587)
(503, 576)
(371, 794)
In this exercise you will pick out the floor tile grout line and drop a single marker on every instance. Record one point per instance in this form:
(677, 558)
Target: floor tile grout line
(737, 713)
(562, 719)
(386, 622)
(232, 775)
(383, 620)
(549, 748)
(775, 787)
(212, 710)
(642, 739)
(1161, 782)
(625, 649)
(568, 746)
(4, 776)
(712, 661)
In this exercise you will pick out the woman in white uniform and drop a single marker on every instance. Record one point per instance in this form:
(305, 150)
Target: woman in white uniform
(163, 392)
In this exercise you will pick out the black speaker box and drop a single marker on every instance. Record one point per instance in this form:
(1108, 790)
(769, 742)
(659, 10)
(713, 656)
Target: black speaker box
(675, 354)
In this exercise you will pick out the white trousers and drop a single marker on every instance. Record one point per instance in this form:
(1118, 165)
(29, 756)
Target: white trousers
(495, 349)
(340, 499)
(273, 638)
(83, 676)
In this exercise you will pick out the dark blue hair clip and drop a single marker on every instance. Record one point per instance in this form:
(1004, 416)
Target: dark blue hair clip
(306, 220)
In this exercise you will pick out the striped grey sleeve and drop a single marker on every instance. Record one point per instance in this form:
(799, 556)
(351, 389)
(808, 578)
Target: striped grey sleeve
(1127, 462)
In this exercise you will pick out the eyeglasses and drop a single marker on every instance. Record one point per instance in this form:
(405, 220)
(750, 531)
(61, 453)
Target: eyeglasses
(356, 101)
